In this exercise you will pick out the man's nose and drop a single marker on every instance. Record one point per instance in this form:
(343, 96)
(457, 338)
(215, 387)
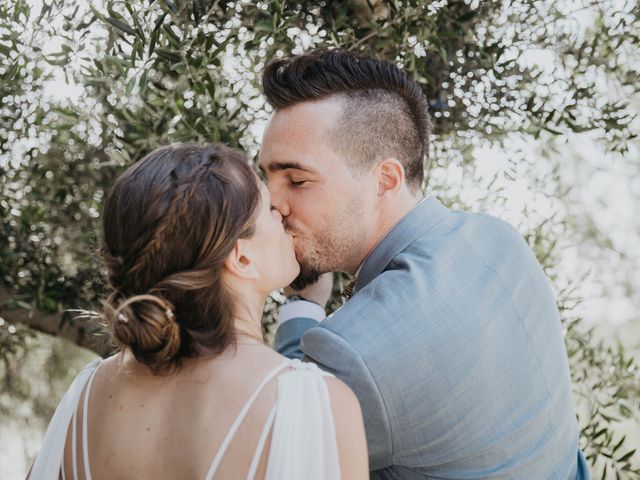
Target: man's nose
(279, 201)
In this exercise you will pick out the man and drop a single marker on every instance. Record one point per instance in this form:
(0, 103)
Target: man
(451, 339)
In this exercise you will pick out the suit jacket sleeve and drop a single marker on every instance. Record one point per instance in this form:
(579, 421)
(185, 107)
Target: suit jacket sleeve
(334, 354)
(288, 336)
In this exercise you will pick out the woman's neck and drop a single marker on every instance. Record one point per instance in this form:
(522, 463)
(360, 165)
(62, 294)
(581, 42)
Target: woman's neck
(248, 318)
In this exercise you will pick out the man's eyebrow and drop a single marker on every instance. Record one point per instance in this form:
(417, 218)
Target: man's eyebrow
(278, 166)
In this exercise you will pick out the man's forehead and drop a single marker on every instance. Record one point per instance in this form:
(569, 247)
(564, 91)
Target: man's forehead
(273, 165)
(312, 120)
(295, 137)
(315, 109)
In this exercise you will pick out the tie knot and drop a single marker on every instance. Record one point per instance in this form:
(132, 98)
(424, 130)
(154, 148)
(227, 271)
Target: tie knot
(348, 290)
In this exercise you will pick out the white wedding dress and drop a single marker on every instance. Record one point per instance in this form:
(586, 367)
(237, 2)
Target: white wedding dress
(303, 440)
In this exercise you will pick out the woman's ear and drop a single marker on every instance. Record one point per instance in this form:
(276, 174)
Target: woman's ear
(240, 262)
(390, 177)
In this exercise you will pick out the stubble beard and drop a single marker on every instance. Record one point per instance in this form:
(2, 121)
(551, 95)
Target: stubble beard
(307, 276)
(314, 262)
(336, 247)
(328, 254)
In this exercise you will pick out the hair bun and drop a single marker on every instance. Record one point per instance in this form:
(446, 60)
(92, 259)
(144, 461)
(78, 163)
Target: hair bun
(145, 324)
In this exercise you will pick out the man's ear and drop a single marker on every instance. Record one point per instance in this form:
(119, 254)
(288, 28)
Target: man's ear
(390, 174)
(239, 262)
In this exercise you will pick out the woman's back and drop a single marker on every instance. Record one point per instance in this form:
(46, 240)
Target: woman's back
(141, 425)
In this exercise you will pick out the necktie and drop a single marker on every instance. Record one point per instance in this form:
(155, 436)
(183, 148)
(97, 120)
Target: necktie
(348, 290)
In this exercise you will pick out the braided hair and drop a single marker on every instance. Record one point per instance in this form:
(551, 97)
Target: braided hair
(169, 223)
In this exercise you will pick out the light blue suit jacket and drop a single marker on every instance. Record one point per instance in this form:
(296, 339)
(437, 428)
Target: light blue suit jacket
(453, 344)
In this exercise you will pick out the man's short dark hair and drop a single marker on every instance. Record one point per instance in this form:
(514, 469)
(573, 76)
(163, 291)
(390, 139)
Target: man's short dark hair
(384, 112)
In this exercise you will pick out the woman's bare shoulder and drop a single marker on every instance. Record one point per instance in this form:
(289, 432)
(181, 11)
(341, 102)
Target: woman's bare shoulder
(349, 427)
(341, 395)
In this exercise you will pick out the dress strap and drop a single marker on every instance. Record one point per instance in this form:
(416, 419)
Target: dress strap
(50, 461)
(74, 449)
(85, 448)
(236, 424)
(261, 443)
(74, 435)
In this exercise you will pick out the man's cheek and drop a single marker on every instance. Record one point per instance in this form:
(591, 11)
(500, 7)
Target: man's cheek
(300, 246)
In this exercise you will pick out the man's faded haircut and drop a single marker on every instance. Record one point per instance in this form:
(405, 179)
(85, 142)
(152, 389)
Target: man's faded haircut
(384, 112)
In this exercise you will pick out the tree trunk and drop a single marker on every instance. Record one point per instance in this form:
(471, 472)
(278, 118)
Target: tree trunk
(86, 332)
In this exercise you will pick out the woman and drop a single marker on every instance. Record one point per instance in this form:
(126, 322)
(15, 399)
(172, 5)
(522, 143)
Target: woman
(193, 248)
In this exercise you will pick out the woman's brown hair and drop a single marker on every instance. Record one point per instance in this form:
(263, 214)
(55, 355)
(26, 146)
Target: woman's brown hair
(169, 223)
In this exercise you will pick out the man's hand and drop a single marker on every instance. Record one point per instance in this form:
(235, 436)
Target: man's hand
(318, 292)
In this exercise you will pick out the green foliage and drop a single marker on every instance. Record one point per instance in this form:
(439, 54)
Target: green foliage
(156, 72)
(35, 377)
(606, 379)
(607, 399)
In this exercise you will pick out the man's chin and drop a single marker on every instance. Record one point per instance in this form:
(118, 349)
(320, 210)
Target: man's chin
(305, 278)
